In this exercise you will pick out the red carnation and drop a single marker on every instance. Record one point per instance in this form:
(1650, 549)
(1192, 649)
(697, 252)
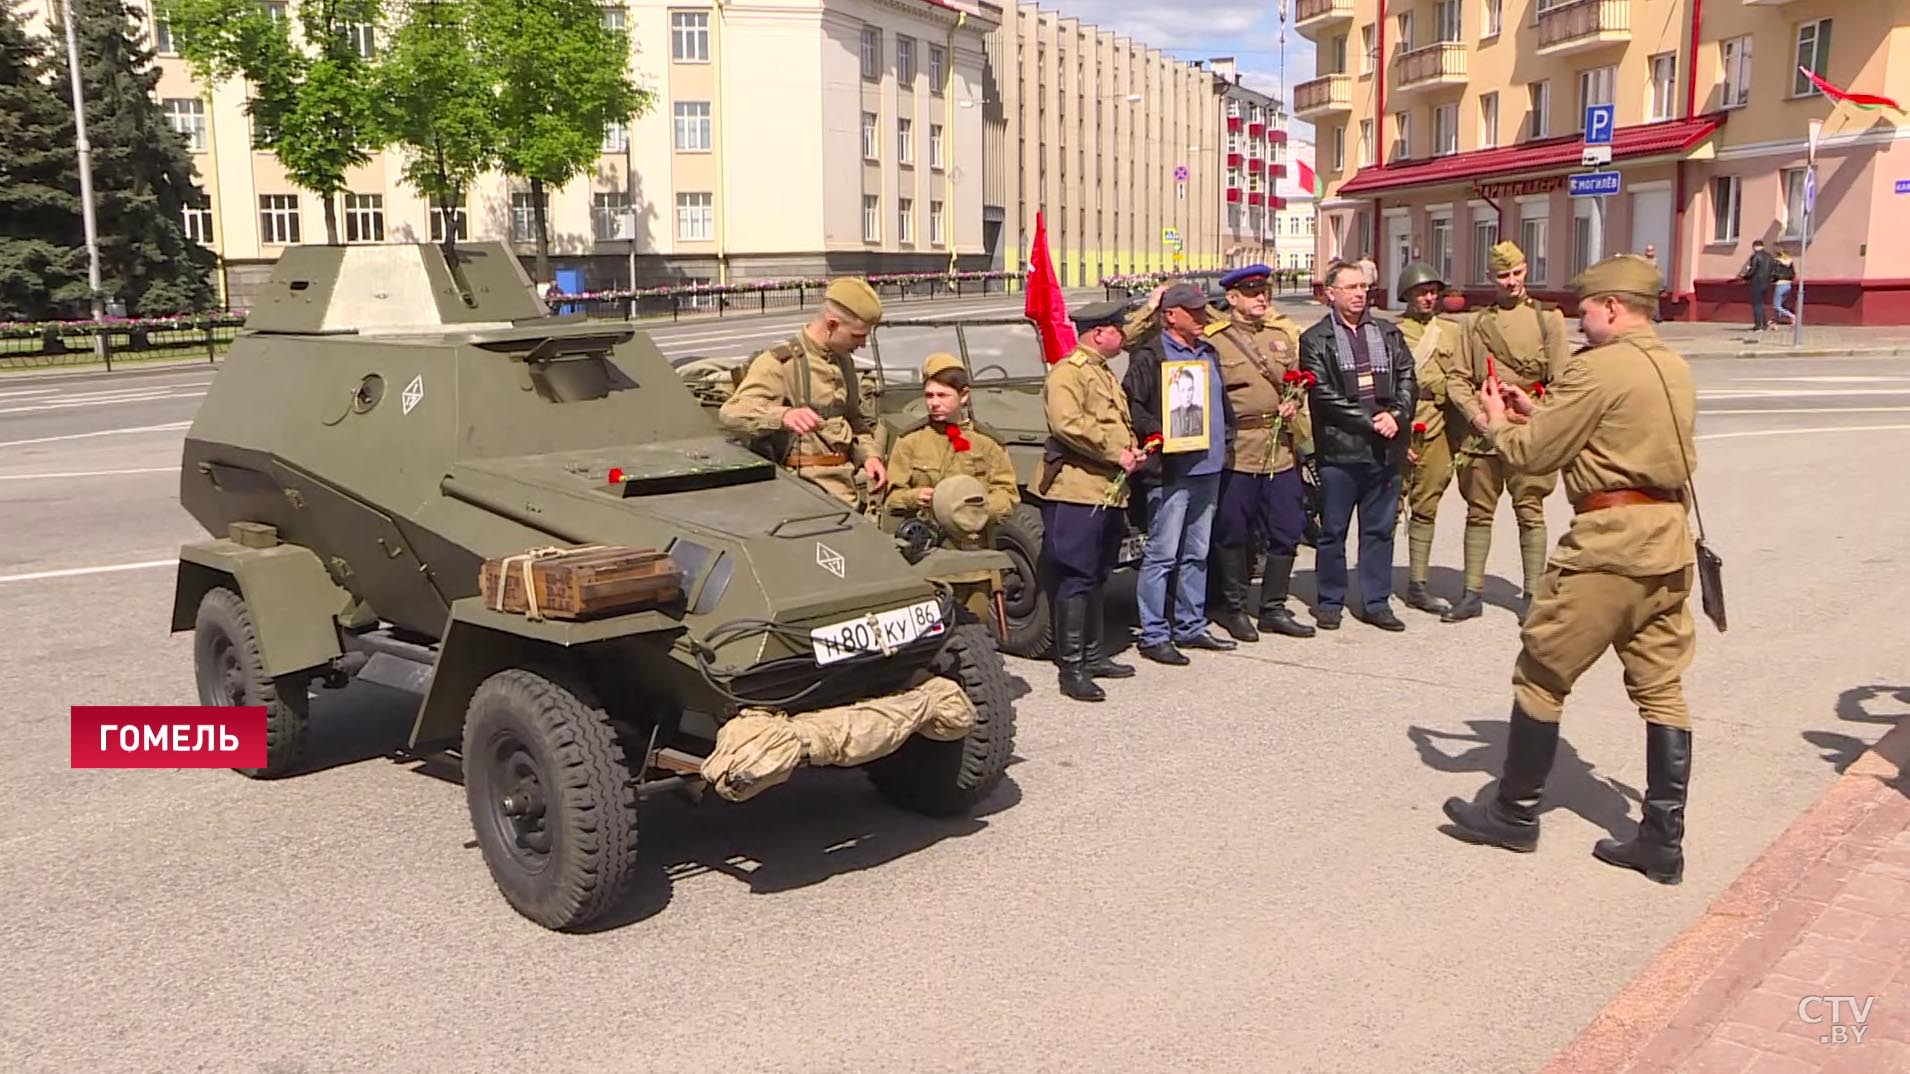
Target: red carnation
(1152, 442)
(1538, 391)
(1293, 376)
(1419, 426)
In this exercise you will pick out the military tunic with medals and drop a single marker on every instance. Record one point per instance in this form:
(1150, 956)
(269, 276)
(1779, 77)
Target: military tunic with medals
(1522, 342)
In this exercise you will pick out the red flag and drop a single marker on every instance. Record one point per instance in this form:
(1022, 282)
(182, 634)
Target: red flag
(1305, 177)
(1046, 305)
(1861, 100)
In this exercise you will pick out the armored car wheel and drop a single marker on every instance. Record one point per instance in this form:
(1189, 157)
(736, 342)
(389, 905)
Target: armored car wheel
(551, 799)
(230, 670)
(942, 779)
(1030, 620)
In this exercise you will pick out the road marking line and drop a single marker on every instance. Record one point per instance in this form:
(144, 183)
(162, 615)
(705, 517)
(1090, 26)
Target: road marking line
(1812, 410)
(158, 397)
(1794, 432)
(91, 473)
(1801, 393)
(72, 571)
(30, 391)
(100, 432)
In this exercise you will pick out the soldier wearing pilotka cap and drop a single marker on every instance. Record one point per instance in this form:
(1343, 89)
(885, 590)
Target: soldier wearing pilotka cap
(1617, 423)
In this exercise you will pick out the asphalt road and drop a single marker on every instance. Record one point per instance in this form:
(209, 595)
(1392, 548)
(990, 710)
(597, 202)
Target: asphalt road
(1231, 866)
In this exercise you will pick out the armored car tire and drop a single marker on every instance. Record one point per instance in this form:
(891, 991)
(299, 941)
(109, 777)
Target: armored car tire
(941, 779)
(229, 667)
(551, 797)
(1030, 623)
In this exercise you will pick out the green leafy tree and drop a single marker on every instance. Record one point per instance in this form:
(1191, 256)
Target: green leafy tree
(314, 107)
(561, 79)
(142, 168)
(42, 244)
(439, 105)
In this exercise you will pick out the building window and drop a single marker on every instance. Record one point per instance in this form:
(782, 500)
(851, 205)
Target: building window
(523, 218)
(1336, 54)
(1488, 120)
(1339, 149)
(905, 220)
(871, 218)
(1813, 54)
(188, 116)
(1403, 144)
(610, 215)
(460, 223)
(905, 62)
(1582, 234)
(1793, 180)
(1485, 235)
(696, 217)
(364, 218)
(1369, 49)
(362, 38)
(198, 225)
(1724, 208)
(278, 219)
(935, 223)
(1446, 21)
(1541, 94)
(1533, 235)
(1595, 86)
(616, 137)
(692, 126)
(1735, 62)
(870, 140)
(690, 36)
(1664, 85)
(937, 69)
(162, 38)
(935, 150)
(1440, 244)
(905, 141)
(1494, 20)
(871, 53)
(1405, 22)
(1445, 129)
(1366, 143)
(613, 19)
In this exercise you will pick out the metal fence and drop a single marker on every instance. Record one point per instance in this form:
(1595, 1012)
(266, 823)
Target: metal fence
(675, 303)
(80, 342)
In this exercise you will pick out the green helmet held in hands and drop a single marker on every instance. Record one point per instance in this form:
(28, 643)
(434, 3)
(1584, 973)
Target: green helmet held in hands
(1415, 274)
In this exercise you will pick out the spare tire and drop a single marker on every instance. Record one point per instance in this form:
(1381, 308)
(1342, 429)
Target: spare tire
(1030, 620)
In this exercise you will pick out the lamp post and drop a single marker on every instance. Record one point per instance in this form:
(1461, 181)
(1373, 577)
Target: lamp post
(86, 185)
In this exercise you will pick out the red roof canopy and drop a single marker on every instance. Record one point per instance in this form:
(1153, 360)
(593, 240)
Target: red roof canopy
(1552, 154)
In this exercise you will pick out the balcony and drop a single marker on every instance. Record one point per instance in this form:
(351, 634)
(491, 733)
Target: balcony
(1233, 160)
(1277, 171)
(1276, 203)
(1256, 198)
(1233, 123)
(1580, 25)
(1439, 65)
(1255, 130)
(1233, 195)
(1311, 18)
(1319, 98)
(1277, 137)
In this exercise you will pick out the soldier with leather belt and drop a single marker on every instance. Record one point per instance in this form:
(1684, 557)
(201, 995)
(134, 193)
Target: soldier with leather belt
(1519, 341)
(1434, 340)
(1618, 422)
(800, 402)
(1083, 486)
(1262, 502)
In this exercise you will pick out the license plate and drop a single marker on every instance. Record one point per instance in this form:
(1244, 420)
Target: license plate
(877, 632)
(1132, 546)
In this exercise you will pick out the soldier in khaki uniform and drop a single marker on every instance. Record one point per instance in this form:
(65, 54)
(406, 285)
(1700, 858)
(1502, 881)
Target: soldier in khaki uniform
(1090, 443)
(1434, 340)
(1617, 420)
(947, 446)
(1262, 502)
(801, 401)
(1519, 341)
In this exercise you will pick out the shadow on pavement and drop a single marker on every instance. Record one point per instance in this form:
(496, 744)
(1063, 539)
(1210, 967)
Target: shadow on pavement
(1573, 785)
(1855, 705)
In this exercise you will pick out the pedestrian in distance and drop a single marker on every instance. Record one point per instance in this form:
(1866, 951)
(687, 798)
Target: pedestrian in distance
(1618, 422)
(1361, 399)
(1760, 273)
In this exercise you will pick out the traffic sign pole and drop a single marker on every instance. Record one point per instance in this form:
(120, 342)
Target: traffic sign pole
(1597, 150)
(1803, 247)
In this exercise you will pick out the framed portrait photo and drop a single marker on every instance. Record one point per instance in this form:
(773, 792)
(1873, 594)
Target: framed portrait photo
(1185, 394)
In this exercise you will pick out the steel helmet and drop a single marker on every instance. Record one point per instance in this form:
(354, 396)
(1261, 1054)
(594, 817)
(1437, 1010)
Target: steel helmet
(1416, 274)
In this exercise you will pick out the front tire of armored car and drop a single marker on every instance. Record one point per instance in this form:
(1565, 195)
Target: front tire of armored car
(1030, 620)
(944, 779)
(229, 668)
(551, 797)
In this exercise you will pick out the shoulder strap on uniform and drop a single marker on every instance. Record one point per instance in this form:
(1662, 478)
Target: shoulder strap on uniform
(1251, 347)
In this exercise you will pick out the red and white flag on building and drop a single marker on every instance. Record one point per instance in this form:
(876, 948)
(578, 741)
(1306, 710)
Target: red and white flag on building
(1304, 177)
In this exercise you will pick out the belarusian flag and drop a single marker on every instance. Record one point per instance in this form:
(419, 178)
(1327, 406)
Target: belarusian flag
(1861, 100)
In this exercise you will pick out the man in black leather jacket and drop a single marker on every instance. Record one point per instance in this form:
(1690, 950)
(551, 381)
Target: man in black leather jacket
(1362, 404)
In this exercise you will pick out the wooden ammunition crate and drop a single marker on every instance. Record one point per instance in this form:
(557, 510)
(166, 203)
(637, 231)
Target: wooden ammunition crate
(582, 583)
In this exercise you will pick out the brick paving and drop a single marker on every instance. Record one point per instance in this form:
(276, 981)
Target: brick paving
(1824, 912)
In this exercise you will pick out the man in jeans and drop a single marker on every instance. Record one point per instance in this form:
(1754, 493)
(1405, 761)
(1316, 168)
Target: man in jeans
(1362, 405)
(1184, 487)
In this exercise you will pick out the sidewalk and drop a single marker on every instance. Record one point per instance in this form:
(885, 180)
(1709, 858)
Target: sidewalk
(1775, 976)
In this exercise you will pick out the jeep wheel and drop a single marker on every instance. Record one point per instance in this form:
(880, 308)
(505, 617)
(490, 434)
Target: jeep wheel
(229, 668)
(1030, 620)
(942, 779)
(550, 794)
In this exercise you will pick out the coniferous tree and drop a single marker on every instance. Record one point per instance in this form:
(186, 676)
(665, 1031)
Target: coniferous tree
(143, 177)
(42, 245)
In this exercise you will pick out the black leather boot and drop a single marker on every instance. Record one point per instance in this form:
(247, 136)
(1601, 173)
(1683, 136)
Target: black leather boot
(1232, 568)
(1275, 617)
(1658, 848)
(1101, 663)
(1471, 606)
(1510, 817)
(1071, 650)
